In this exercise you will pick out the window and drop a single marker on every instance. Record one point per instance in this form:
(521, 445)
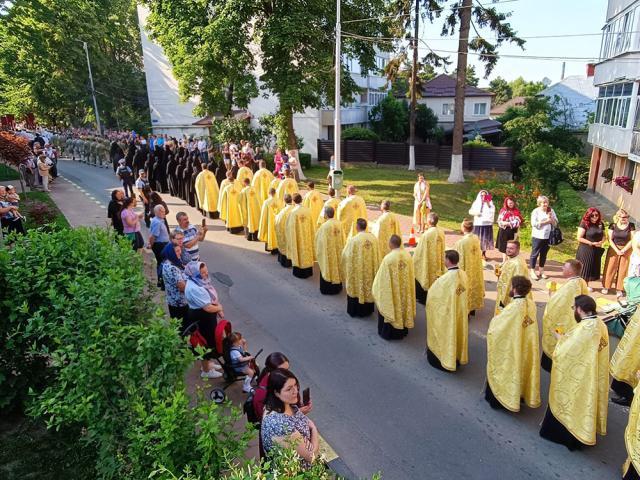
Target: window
(630, 169)
(447, 109)
(613, 103)
(376, 97)
(479, 108)
(381, 62)
(616, 35)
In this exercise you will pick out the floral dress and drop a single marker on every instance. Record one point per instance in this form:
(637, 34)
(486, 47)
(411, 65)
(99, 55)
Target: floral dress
(279, 425)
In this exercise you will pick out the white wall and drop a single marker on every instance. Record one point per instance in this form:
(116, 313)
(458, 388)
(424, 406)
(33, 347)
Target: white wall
(162, 88)
(436, 103)
(610, 138)
(615, 7)
(608, 71)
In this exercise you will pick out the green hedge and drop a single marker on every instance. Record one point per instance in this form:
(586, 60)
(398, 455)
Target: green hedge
(358, 133)
(85, 349)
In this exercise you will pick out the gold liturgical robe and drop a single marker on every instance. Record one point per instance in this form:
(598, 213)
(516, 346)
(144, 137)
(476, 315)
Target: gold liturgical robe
(329, 244)
(299, 232)
(428, 258)
(275, 183)
(359, 264)
(626, 359)
(207, 191)
(288, 185)
(332, 202)
(632, 434)
(223, 213)
(281, 223)
(558, 313)
(513, 355)
(509, 269)
(579, 390)
(448, 319)
(261, 181)
(313, 201)
(385, 226)
(349, 210)
(267, 229)
(394, 289)
(468, 247)
(230, 205)
(250, 209)
(244, 172)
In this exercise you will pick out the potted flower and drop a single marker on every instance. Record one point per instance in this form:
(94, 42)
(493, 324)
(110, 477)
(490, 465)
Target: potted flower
(624, 182)
(607, 174)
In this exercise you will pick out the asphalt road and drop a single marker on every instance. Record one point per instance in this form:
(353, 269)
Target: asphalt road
(379, 404)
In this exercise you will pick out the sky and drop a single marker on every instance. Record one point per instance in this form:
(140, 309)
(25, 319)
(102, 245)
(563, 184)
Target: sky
(535, 18)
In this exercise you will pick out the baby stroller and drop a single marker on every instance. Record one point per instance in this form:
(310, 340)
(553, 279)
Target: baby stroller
(618, 315)
(220, 353)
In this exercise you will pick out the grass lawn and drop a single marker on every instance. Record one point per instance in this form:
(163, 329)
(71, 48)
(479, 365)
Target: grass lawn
(450, 201)
(31, 199)
(8, 173)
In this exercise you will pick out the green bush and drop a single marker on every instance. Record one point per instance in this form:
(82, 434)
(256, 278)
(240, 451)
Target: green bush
(305, 159)
(478, 141)
(577, 171)
(358, 133)
(84, 347)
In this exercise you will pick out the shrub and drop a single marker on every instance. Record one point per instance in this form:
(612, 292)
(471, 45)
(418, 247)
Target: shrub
(358, 133)
(305, 159)
(478, 141)
(84, 347)
(40, 213)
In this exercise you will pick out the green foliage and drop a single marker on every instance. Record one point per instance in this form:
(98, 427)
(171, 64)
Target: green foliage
(226, 129)
(85, 348)
(8, 173)
(41, 211)
(276, 132)
(427, 124)
(305, 159)
(43, 67)
(390, 119)
(502, 90)
(522, 88)
(358, 133)
(471, 78)
(478, 141)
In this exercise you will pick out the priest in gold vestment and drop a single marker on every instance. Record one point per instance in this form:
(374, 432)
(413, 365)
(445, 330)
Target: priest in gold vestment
(513, 350)
(329, 244)
(250, 211)
(394, 292)
(300, 235)
(631, 467)
(384, 227)
(359, 264)
(428, 258)
(332, 202)
(468, 247)
(579, 389)
(223, 185)
(558, 313)
(313, 201)
(350, 210)
(287, 185)
(207, 192)
(281, 237)
(448, 317)
(230, 206)
(261, 181)
(626, 362)
(267, 229)
(514, 265)
(244, 172)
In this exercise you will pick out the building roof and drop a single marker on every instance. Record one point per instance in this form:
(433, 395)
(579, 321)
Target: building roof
(501, 109)
(579, 84)
(445, 86)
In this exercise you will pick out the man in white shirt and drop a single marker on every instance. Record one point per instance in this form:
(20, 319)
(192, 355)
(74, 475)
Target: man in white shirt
(202, 147)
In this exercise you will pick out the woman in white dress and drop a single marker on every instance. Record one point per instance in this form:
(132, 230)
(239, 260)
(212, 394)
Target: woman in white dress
(421, 202)
(484, 212)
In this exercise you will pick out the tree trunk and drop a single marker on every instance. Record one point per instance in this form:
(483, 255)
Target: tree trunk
(292, 141)
(414, 94)
(456, 175)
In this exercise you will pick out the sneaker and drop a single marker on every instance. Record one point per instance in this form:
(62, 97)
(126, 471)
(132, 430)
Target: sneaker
(619, 294)
(217, 367)
(210, 374)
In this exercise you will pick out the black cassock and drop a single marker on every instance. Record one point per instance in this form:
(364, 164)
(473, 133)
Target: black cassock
(161, 175)
(221, 173)
(186, 182)
(139, 157)
(115, 154)
(131, 151)
(172, 181)
(193, 199)
(182, 164)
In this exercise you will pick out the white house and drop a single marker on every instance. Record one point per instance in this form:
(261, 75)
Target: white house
(615, 133)
(575, 98)
(439, 95)
(170, 115)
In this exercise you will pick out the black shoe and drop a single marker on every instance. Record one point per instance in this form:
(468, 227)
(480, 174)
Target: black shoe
(624, 401)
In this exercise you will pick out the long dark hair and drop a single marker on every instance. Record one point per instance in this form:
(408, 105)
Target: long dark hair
(277, 380)
(273, 361)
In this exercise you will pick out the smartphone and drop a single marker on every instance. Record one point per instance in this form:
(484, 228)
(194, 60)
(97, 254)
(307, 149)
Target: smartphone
(204, 222)
(306, 396)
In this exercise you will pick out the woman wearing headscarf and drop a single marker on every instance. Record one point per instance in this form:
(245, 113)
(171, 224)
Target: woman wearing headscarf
(204, 308)
(175, 282)
(509, 221)
(483, 211)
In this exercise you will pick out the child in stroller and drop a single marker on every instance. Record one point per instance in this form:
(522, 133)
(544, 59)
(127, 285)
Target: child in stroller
(239, 361)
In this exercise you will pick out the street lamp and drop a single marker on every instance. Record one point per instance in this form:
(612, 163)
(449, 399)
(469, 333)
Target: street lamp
(93, 91)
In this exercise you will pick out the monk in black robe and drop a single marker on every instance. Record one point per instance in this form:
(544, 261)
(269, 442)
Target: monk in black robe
(182, 164)
(170, 171)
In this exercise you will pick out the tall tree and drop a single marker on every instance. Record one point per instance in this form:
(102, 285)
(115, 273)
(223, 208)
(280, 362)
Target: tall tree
(227, 51)
(43, 66)
(464, 16)
(523, 88)
(471, 77)
(502, 90)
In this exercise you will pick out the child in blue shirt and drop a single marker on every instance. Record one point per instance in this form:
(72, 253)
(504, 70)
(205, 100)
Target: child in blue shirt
(241, 360)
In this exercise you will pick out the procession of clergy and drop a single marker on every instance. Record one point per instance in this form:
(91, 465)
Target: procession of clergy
(370, 262)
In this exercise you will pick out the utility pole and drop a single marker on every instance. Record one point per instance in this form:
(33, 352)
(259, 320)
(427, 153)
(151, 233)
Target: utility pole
(457, 175)
(93, 91)
(337, 125)
(414, 80)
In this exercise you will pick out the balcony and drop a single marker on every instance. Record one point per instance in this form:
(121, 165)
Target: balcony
(613, 139)
(348, 116)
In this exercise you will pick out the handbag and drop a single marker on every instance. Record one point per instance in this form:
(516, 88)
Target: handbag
(555, 237)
